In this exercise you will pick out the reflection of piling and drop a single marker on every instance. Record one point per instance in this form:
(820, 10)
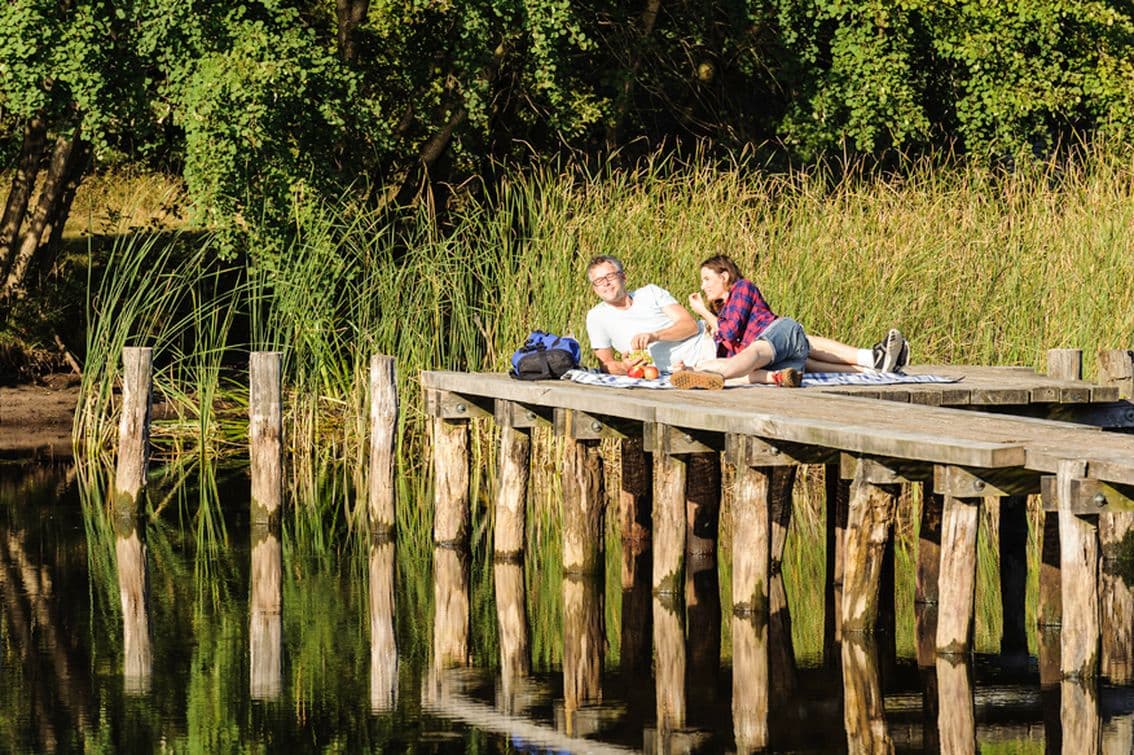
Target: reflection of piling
(134, 426)
(266, 432)
(512, 618)
(451, 608)
(133, 588)
(383, 643)
(383, 431)
(863, 713)
(956, 721)
(265, 629)
(669, 664)
(1013, 529)
(749, 682)
(1079, 717)
(583, 640)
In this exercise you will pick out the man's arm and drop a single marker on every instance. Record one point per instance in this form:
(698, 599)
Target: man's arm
(683, 326)
(608, 362)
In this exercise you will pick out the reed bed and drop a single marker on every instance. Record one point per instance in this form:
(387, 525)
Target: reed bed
(975, 266)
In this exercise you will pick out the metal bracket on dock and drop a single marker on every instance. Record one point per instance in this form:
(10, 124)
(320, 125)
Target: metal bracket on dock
(877, 471)
(964, 482)
(578, 425)
(673, 441)
(750, 451)
(448, 405)
(1089, 496)
(522, 416)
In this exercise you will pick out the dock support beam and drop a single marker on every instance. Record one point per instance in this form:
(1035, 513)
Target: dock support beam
(513, 474)
(873, 498)
(1079, 568)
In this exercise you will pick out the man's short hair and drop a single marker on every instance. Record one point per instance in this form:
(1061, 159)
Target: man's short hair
(602, 259)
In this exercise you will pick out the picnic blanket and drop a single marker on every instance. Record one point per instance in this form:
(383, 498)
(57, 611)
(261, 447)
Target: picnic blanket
(810, 379)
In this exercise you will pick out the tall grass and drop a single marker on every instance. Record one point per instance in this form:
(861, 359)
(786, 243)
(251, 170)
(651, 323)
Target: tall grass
(975, 266)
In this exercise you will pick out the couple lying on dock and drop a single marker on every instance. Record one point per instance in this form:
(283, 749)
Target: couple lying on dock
(739, 340)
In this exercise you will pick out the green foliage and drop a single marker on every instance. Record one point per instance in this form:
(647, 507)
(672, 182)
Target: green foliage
(997, 78)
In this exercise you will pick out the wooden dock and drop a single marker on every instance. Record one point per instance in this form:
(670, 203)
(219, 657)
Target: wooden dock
(990, 435)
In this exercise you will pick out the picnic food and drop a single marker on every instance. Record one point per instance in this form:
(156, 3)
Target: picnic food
(636, 372)
(650, 372)
(640, 356)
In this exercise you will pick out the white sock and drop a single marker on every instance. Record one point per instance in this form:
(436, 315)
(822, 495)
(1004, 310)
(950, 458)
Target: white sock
(865, 358)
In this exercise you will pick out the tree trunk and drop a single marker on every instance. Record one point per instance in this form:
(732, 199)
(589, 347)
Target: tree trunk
(45, 213)
(622, 103)
(35, 135)
(351, 14)
(53, 233)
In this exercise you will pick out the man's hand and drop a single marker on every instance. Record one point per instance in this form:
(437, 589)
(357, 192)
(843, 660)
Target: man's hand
(642, 340)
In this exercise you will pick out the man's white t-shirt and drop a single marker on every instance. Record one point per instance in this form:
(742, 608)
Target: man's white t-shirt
(610, 327)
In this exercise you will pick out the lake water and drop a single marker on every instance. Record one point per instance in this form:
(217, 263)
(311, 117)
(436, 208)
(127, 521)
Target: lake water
(193, 631)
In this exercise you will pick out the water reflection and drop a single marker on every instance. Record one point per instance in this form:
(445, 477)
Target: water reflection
(383, 643)
(749, 682)
(265, 626)
(583, 645)
(450, 608)
(512, 618)
(133, 588)
(956, 722)
(863, 712)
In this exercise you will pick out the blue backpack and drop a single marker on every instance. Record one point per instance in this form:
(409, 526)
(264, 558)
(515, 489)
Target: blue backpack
(545, 356)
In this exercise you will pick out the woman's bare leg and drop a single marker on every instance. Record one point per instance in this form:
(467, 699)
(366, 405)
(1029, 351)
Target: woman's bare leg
(751, 358)
(832, 352)
(815, 365)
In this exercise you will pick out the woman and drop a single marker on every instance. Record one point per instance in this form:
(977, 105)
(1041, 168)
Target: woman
(754, 343)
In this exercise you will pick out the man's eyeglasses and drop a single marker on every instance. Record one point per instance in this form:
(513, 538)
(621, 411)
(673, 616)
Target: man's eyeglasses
(608, 278)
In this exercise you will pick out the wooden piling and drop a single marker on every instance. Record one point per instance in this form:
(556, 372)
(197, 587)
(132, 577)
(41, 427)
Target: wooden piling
(703, 502)
(669, 524)
(751, 535)
(635, 501)
(1079, 568)
(1064, 364)
(451, 482)
(1116, 367)
(869, 519)
(782, 484)
(958, 573)
(265, 409)
(513, 473)
(134, 425)
(584, 501)
(928, 545)
(383, 432)
(837, 493)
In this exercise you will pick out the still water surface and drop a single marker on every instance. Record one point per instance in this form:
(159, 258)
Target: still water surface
(193, 631)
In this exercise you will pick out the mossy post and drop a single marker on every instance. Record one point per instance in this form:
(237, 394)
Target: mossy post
(383, 431)
(265, 429)
(134, 426)
(1116, 367)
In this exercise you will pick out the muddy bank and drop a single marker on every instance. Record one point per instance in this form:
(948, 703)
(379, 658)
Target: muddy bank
(36, 419)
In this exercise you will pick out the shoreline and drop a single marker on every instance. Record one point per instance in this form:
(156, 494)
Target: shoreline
(36, 420)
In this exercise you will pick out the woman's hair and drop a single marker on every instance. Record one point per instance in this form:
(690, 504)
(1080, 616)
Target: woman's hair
(719, 264)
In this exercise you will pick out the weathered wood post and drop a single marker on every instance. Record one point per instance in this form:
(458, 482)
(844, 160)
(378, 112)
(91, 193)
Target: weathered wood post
(134, 425)
(873, 499)
(957, 581)
(926, 590)
(584, 496)
(265, 408)
(450, 435)
(265, 622)
(383, 432)
(513, 473)
(383, 641)
(1079, 568)
(670, 460)
(1065, 364)
(703, 503)
(1116, 367)
(1013, 529)
(635, 507)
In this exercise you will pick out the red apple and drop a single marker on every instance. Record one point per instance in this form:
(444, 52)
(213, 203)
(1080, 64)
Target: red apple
(650, 372)
(635, 372)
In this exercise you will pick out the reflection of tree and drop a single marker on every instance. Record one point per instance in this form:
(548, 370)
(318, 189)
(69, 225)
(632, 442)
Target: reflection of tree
(58, 677)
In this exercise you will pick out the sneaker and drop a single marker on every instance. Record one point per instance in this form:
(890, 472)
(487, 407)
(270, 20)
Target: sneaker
(709, 381)
(789, 377)
(895, 352)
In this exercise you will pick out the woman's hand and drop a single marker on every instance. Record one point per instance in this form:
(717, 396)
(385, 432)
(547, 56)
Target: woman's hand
(697, 303)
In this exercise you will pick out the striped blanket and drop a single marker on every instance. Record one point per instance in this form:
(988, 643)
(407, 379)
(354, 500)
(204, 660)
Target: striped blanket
(810, 379)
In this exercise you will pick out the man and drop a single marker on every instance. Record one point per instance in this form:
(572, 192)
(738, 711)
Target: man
(646, 318)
